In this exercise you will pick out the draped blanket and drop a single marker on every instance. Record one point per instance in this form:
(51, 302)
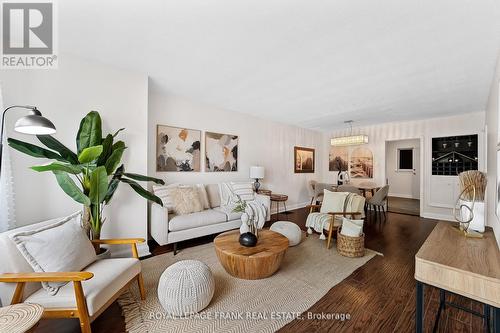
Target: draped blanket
(256, 209)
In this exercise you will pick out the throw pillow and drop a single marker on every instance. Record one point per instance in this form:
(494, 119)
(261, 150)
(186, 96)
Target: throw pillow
(186, 200)
(351, 228)
(58, 247)
(244, 190)
(164, 192)
(333, 202)
(202, 192)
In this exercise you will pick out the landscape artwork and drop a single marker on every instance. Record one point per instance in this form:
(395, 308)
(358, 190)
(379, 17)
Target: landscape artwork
(338, 159)
(304, 160)
(361, 163)
(177, 149)
(221, 152)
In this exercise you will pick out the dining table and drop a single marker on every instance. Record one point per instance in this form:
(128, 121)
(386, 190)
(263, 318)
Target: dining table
(372, 188)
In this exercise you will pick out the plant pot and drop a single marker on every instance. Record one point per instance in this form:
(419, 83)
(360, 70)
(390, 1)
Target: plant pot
(104, 254)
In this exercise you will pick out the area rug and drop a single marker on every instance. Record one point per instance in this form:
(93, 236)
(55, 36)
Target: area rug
(307, 272)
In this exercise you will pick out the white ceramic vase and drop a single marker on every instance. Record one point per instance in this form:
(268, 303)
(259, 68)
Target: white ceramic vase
(478, 221)
(244, 226)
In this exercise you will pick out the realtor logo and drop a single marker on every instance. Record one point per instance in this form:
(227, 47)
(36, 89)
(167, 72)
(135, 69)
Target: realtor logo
(28, 35)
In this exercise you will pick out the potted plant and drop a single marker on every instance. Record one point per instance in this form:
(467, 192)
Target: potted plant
(95, 166)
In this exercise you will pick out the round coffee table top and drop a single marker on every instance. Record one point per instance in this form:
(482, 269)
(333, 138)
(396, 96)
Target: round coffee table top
(251, 263)
(20, 317)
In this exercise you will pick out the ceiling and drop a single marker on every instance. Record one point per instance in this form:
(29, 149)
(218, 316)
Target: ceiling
(309, 63)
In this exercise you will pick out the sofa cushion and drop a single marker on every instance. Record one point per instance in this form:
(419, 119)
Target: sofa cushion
(213, 195)
(164, 192)
(230, 216)
(194, 220)
(202, 192)
(58, 247)
(110, 275)
(333, 202)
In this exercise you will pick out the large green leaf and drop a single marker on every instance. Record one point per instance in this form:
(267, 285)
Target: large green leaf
(114, 160)
(35, 151)
(113, 185)
(98, 185)
(54, 144)
(142, 178)
(90, 154)
(107, 149)
(70, 188)
(90, 131)
(141, 191)
(69, 168)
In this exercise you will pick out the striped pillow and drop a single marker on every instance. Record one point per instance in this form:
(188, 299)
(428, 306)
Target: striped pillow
(243, 190)
(164, 192)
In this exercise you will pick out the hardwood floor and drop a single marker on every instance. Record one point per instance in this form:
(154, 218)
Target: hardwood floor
(403, 206)
(379, 296)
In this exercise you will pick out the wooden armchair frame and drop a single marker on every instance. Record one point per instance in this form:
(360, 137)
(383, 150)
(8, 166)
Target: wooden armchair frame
(81, 310)
(332, 228)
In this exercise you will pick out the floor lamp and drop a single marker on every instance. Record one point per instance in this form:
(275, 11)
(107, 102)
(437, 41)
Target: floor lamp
(34, 123)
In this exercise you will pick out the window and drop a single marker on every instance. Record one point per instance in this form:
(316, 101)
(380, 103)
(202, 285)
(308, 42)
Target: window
(405, 159)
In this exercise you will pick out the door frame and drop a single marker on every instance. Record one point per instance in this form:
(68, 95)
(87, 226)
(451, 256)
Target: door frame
(421, 165)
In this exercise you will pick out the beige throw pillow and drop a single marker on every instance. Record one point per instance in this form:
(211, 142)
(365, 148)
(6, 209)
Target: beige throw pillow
(58, 247)
(333, 202)
(186, 200)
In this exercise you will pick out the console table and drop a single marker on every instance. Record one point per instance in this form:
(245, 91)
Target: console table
(469, 267)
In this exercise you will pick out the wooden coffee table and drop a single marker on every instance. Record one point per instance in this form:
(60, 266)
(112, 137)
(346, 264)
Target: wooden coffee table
(251, 263)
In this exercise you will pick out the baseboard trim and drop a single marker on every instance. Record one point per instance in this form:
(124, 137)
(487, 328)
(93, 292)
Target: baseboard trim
(399, 195)
(291, 207)
(435, 216)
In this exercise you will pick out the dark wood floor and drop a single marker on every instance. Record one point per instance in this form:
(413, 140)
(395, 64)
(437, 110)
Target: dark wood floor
(403, 206)
(379, 296)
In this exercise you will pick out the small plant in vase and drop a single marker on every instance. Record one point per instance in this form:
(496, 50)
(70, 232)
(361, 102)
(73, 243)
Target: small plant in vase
(248, 229)
(96, 167)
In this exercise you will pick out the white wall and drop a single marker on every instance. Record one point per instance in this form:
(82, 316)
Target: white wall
(492, 111)
(261, 142)
(403, 183)
(425, 130)
(65, 95)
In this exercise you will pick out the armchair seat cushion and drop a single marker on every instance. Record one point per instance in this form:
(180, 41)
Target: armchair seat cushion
(195, 220)
(110, 275)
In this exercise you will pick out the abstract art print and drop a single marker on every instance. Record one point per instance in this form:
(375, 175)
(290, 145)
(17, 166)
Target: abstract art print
(304, 160)
(177, 149)
(221, 152)
(361, 163)
(338, 159)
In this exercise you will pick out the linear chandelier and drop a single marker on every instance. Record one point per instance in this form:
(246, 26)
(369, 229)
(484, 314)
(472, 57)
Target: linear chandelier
(349, 140)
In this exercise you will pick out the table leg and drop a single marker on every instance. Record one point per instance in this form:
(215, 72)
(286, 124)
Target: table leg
(284, 204)
(487, 317)
(419, 313)
(496, 320)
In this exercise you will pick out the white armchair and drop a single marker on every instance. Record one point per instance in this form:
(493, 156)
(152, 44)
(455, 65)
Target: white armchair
(89, 292)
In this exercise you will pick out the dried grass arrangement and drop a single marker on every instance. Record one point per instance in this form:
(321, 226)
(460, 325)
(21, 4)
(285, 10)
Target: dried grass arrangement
(473, 183)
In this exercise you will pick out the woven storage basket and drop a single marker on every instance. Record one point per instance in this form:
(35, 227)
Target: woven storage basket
(350, 246)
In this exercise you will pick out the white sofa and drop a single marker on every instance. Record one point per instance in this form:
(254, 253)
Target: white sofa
(168, 228)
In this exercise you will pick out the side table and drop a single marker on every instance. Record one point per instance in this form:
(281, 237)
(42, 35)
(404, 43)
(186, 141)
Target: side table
(279, 198)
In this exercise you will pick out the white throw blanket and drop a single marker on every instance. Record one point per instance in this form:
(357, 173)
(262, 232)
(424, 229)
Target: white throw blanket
(255, 209)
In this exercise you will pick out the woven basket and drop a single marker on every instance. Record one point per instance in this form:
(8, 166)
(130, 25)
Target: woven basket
(350, 246)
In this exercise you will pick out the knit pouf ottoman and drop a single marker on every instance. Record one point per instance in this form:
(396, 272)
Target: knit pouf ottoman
(186, 287)
(289, 230)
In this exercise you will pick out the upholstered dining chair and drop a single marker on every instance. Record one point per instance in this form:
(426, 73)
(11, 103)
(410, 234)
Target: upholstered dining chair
(379, 199)
(311, 189)
(348, 188)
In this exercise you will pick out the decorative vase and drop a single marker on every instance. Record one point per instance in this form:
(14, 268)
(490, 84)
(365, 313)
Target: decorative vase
(244, 228)
(248, 239)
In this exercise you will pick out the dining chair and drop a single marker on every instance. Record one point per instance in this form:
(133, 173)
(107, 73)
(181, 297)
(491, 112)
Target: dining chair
(379, 200)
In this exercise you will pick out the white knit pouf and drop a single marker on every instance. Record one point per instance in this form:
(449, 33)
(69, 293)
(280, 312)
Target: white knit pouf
(288, 229)
(186, 287)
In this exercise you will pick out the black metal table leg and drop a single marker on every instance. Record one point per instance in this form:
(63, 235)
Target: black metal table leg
(442, 305)
(419, 313)
(496, 320)
(487, 317)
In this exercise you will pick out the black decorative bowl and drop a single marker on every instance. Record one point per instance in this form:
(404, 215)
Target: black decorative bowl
(248, 239)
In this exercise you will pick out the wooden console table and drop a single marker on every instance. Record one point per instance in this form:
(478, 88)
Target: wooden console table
(469, 267)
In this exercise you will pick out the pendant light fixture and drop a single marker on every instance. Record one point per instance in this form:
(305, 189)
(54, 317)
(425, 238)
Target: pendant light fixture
(349, 140)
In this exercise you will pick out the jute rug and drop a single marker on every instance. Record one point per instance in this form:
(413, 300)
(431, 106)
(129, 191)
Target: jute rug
(308, 271)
